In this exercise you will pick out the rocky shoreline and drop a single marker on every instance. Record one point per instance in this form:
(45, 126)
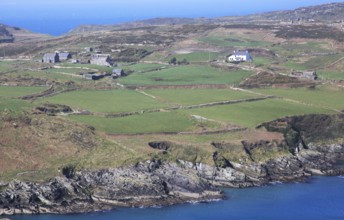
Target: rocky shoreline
(306, 151)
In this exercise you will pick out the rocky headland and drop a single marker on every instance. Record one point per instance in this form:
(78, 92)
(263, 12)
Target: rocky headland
(312, 145)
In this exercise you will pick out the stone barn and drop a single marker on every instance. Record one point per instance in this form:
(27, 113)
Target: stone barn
(65, 56)
(117, 73)
(51, 58)
(101, 60)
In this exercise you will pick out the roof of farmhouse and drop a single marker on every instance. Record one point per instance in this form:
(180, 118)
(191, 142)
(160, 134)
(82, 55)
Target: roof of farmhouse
(241, 53)
(50, 55)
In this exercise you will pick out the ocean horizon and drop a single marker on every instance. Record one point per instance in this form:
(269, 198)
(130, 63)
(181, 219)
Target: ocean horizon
(58, 18)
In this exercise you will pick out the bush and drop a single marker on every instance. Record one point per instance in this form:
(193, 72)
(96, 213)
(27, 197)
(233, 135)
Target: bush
(173, 61)
(69, 171)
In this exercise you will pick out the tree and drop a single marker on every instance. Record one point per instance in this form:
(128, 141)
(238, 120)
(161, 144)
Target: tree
(173, 61)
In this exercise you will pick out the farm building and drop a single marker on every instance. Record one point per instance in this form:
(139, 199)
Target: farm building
(306, 75)
(117, 73)
(92, 76)
(65, 56)
(239, 56)
(101, 60)
(95, 76)
(51, 58)
(74, 61)
(88, 76)
(89, 49)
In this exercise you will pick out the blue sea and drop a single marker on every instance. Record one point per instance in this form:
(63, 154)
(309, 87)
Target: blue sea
(321, 198)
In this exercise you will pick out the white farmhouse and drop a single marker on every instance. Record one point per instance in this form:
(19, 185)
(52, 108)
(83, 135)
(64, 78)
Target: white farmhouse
(240, 56)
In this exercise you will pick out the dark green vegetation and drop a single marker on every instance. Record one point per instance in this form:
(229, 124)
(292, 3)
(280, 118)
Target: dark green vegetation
(196, 102)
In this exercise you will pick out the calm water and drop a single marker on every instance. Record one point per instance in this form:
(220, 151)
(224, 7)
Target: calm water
(320, 198)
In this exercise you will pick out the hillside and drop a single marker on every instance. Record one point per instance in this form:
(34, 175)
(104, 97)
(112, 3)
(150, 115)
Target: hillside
(326, 13)
(321, 13)
(10, 34)
(140, 24)
(5, 35)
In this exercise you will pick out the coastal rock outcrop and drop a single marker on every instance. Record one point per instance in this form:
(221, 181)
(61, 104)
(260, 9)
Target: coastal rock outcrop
(104, 189)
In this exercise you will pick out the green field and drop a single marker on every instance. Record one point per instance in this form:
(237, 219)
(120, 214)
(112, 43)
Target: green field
(186, 75)
(15, 105)
(198, 96)
(261, 61)
(319, 97)
(331, 75)
(17, 91)
(195, 57)
(114, 101)
(5, 66)
(144, 67)
(251, 114)
(145, 123)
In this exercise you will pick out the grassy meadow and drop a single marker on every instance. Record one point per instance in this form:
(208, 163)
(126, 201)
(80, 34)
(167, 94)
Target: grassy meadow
(320, 97)
(198, 96)
(146, 123)
(106, 101)
(195, 57)
(17, 91)
(251, 114)
(186, 75)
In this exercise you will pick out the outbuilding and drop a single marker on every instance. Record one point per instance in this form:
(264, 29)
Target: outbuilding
(65, 56)
(101, 60)
(51, 58)
(117, 73)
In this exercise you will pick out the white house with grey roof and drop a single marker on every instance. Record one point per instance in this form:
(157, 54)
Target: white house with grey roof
(239, 56)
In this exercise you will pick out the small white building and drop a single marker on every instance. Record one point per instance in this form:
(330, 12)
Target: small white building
(239, 56)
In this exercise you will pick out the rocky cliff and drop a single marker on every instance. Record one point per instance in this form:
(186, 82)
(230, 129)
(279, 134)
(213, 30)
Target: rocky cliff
(312, 145)
(146, 184)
